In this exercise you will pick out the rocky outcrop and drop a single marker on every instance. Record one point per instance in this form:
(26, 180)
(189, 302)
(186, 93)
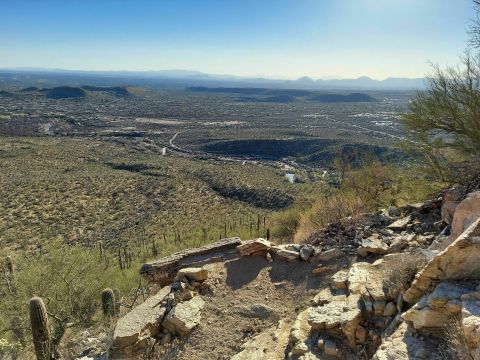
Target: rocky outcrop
(466, 213)
(374, 263)
(133, 331)
(458, 261)
(183, 318)
(435, 309)
(343, 315)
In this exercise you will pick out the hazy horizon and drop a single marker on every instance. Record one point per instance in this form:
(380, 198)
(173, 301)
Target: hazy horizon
(282, 39)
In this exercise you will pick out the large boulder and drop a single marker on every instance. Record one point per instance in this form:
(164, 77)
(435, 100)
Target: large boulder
(459, 261)
(183, 318)
(466, 213)
(140, 323)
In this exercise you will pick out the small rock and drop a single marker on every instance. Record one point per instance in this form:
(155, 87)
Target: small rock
(400, 224)
(321, 344)
(379, 306)
(268, 257)
(339, 279)
(330, 348)
(390, 309)
(394, 211)
(198, 274)
(361, 334)
(299, 349)
(306, 252)
(330, 254)
(166, 339)
(319, 270)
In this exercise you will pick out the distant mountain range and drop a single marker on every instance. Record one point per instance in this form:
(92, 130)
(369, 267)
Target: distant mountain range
(196, 78)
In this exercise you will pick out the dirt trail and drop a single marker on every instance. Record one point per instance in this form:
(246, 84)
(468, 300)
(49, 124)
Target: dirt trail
(250, 295)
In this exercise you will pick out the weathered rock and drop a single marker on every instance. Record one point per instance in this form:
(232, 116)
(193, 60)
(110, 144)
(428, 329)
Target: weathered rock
(373, 244)
(330, 348)
(164, 270)
(289, 255)
(330, 254)
(394, 211)
(342, 316)
(339, 279)
(195, 274)
(325, 296)
(379, 306)
(306, 251)
(299, 349)
(436, 309)
(361, 334)
(470, 321)
(400, 224)
(451, 198)
(390, 309)
(458, 261)
(466, 213)
(400, 242)
(300, 330)
(142, 321)
(184, 316)
(258, 246)
(402, 345)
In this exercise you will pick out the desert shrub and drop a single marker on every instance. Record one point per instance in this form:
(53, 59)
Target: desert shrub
(444, 122)
(328, 209)
(285, 224)
(370, 181)
(68, 278)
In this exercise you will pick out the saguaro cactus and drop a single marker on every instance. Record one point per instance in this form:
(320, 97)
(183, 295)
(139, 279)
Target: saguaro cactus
(40, 329)
(108, 302)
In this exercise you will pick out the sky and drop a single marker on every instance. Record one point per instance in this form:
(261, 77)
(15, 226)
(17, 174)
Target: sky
(254, 38)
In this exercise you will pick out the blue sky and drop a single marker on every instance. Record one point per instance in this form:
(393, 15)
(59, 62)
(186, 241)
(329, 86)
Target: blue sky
(274, 38)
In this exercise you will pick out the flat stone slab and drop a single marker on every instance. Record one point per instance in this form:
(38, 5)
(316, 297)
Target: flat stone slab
(184, 316)
(400, 224)
(163, 271)
(251, 247)
(144, 319)
(289, 255)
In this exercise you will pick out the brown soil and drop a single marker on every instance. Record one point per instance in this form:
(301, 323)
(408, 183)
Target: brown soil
(285, 287)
